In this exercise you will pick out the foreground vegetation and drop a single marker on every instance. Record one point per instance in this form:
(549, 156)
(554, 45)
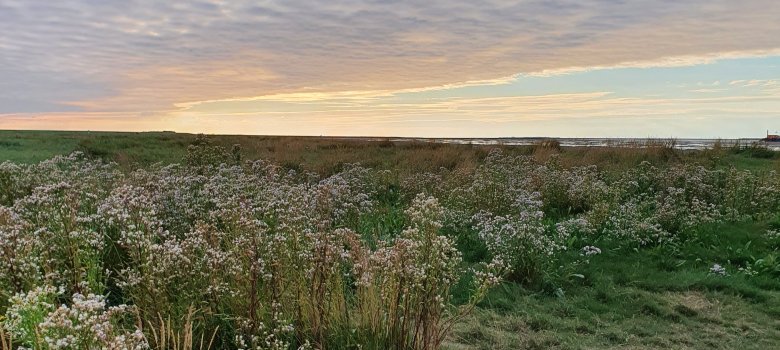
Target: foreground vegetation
(422, 246)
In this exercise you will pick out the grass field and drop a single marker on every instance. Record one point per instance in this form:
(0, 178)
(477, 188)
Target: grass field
(325, 155)
(652, 286)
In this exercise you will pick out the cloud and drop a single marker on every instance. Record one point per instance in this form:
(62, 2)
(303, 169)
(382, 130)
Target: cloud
(766, 86)
(346, 113)
(564, 115)
(708, 91)
(152, 56)
(664, 62)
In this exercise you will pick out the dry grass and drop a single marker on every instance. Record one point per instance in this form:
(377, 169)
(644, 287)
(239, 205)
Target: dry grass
(5, 340)
(326, 155)
(166, 336)
(694, 301)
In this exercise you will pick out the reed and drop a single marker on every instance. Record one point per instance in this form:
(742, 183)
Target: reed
(167, 336)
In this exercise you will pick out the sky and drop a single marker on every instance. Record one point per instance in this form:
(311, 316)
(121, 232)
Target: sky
(456, 68)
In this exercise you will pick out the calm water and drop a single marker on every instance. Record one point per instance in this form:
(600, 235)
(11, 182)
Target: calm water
(598, 142)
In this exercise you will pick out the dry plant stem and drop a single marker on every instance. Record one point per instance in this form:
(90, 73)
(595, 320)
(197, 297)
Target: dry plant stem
(167, 337)
(5, 340)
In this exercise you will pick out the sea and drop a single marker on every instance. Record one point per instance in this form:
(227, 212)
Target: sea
(683, 144)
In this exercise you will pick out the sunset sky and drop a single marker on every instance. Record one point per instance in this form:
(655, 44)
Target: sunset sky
(598, 68)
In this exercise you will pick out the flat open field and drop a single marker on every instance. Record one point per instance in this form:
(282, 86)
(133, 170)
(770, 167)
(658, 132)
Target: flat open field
(295, 242)
(325, 155)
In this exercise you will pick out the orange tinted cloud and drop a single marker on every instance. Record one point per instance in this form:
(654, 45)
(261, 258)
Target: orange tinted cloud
(148, 65)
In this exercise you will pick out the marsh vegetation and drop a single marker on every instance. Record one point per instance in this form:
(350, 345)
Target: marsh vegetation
(282, 243)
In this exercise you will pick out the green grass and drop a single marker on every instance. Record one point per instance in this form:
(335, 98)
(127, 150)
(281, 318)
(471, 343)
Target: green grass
(641, 299)
(31, 147)
(129, 148)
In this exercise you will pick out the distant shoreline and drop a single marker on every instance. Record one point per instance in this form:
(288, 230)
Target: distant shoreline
(677, 143)
(399, 138)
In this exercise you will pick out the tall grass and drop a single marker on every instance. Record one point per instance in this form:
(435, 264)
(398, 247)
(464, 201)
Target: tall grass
(325, 155)
(222, 252)
(165, 336)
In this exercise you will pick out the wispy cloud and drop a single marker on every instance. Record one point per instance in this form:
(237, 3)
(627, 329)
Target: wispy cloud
(663, 62)
(708, 90)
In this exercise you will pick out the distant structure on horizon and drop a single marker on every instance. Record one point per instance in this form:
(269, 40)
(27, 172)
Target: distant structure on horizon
(772, 137)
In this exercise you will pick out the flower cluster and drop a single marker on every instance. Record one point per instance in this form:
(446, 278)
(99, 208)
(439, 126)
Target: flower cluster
(718, 270)
(87, 323)
(521, 240)
(589, 250)
(404, 284)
